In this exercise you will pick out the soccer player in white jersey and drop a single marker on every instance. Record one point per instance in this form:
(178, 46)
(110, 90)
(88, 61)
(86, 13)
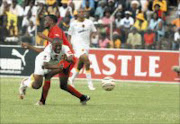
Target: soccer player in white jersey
(79, 34)
(52, 61)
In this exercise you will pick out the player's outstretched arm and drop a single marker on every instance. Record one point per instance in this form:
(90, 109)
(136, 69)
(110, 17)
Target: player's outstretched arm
(28, 46)
(41, 35)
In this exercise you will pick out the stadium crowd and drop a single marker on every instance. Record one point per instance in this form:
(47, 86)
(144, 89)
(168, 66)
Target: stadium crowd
(136, 24)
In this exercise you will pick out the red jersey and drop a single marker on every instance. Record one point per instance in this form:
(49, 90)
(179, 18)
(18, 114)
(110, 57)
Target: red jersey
(54, 32)
(149, 38)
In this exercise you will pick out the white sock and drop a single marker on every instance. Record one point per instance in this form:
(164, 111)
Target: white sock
(74, 75)
(29, 81)
(88, 76)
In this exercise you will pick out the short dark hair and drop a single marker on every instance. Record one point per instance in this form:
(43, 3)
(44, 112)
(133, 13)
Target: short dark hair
(53, 17)
(56, 39)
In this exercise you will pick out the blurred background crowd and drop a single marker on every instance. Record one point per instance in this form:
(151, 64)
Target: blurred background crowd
(129, 24)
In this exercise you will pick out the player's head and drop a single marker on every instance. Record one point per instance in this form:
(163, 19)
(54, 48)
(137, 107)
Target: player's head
(57, 45)
(50, 20)
(81, 12)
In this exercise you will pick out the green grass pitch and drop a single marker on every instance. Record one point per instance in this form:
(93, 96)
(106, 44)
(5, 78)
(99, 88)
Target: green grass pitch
(128, 103)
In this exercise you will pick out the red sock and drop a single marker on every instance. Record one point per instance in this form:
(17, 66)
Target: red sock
(45, 90)
(74, 91)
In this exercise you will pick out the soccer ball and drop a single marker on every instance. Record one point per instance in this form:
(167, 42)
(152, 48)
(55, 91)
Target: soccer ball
(108, 83)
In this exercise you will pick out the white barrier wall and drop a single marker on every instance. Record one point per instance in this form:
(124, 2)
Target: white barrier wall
(140, 65)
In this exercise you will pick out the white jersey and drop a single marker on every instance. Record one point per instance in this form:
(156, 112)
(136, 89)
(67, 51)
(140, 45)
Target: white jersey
(57, 57)
(80, 34)
(48, 55)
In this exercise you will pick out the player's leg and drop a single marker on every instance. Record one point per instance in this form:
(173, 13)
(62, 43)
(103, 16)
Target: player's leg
(76, 72)
(86, 62)
(64, 85)
(46, 86)
(34, 82)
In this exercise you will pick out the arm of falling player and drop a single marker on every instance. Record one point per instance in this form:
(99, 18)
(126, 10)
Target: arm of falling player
(28, 46)
(52, 66)
(45, 37)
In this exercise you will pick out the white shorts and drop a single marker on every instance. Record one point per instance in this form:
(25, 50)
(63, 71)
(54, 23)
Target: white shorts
(79, 52)
(39, 61)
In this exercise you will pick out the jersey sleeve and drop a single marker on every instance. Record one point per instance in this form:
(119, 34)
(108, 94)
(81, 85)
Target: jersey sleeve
(71, 30)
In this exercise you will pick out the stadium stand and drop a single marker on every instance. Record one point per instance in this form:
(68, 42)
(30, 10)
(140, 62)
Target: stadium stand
(155, 23)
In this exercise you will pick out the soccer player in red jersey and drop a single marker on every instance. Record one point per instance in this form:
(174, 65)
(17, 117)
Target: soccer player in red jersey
(54, 31)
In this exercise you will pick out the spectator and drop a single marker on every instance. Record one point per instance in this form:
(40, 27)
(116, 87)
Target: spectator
(176, 42)
(178, 11)
(100, 9)
(127, 22)
(104, 42)
(65, 10)
(30, 8)
(25, 22)
(143, 4)
(16, 9)
(120, 12)
(161, 3)
(88, 6)
(134, 40)
(121, 3)
(88, 3)
(149, 39)
(12, 29)
(148, 10)
(169, 35)
(30, 34)
(106, 20)
(156, 24)
(141, 24)
(64, 24)
(3, 29)
(50, 2)
(176, 22)
(3, 7)
(111, 6)
(118, 20)
(163, 44)
(134, 9)
(159, 12)
(52, 8)
(72, 5)
(117, 40)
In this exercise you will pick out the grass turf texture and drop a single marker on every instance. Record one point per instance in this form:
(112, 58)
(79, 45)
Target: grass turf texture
(128, 103)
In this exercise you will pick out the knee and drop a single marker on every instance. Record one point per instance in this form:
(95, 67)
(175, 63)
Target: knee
(87, 63)
(37, 85)
(48, 77)
(63, 87)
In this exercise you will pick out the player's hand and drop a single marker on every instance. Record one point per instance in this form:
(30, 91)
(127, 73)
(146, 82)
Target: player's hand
(64, 57)
(61, 66)
(25, 45)
(69, 59)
